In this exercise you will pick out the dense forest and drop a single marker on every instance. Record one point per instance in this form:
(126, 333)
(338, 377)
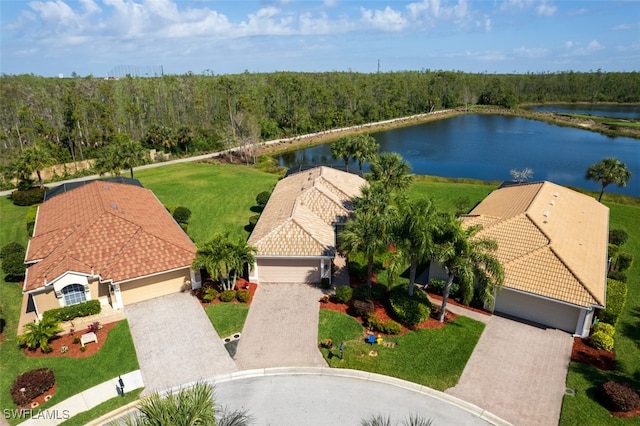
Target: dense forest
(74, 118)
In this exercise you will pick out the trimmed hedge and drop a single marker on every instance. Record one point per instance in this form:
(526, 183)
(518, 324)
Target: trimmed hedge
(437, 286)
(11, 248)
(386, 327)
(624, 262)
(601, 340)
(616, 299)
(28, 197)
(228, 295)
(618, 237)
(13, 266)
(67, 313)
(262, 198)
(209, 294)
(362, 308)
(30, 218)
(243, 295)
(344, 293)
(363, 292)
(617, 276)
(619, 397)
(409, 310)
(35, 383)
(182, 214)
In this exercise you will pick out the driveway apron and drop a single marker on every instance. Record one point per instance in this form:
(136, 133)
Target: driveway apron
(281, 329)
(517, 372)
(175, 342)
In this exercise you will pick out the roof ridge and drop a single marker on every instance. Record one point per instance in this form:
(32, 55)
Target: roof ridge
(557, 255)
(293, 219)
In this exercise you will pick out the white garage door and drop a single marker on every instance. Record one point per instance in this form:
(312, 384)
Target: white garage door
(288, 270)
(537, 310)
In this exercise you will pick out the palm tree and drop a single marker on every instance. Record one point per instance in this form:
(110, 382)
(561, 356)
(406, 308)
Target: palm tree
(222, 258)
(191, 406)
(108, 161)
(390, 169)
(39, 333)
(369, 232)
(608, 171)
(468, 258)
(365, 148)
(341, 149)
(418, 221)
(33, 159)
(132, 154)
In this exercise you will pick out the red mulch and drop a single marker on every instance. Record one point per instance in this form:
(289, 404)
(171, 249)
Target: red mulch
(41, 399)
(584, 353)
(74, 348)
(382, 314)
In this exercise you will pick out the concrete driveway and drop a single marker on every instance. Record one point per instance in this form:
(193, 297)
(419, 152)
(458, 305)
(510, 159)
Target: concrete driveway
(281, 328)
(517, 372)
(175, 342)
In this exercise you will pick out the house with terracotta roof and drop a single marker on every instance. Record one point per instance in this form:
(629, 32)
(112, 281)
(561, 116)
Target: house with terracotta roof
(552, 244)
(109, 241)
(296, 233)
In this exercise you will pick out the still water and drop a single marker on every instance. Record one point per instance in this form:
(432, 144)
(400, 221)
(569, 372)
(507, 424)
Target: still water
(618, 111)
(487, 147)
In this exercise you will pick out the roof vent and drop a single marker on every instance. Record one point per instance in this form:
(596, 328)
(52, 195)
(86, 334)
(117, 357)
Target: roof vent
(105, 187)
(552, 202)
(545, 213)
(114, 206)
(555, 194)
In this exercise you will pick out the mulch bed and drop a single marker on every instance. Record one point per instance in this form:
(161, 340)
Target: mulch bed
(382, 315)
(584, 353)
(74, 348)
(240, 285)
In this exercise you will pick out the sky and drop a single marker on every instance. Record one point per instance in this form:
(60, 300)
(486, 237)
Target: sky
(104, 37)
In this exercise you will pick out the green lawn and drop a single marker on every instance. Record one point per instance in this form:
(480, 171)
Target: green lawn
(102, 409)
(220, 197)
(227, 318)
(429, 357)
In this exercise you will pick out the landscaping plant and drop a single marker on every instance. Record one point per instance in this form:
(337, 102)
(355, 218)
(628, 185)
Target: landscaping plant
(31, 384)
(39, 333)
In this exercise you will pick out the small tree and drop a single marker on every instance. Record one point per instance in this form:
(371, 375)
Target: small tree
(608, 171)
(40, 333)
(223, 258)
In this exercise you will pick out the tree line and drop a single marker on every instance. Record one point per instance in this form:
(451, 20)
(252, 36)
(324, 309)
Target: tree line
(75, 118)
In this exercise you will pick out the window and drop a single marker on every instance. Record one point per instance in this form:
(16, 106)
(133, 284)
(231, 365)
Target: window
(73, 294)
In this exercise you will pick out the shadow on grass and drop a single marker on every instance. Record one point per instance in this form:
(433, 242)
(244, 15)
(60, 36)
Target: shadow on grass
(632, 329)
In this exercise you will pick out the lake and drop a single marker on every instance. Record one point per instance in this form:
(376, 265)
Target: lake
(618, 111)
(487, 147)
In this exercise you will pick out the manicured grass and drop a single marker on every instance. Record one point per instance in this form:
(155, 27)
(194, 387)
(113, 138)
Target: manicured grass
(220, 197)
(102, 409)
(430, 357)
(227, 318)
(446, 194)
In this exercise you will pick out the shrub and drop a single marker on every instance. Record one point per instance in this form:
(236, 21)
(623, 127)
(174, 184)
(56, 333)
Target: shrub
(67, 313)
(30, 218)
(170, 208)
(618, 237)
(34, 382)
(181, 214)
(616, 299)
(253, 220)
(344, 293)
(618, 276)
(14, 267)
(619, 397)
(601, 340)
(209, 294)
(386, 327)
(11, 248)
(325, 283)
(83, 348)
(437, 286)
(623, 262)
(362, 307)
(605, 328)
(363, 292)
(243, 295)
(409, 310)
(76, 340)
(28, 197)
(262, 198)
(228, 295)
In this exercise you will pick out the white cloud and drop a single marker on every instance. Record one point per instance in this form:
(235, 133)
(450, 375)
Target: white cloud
(386, 20)
(431, 11)
(546, 9)
(536, 52)
(330, 3)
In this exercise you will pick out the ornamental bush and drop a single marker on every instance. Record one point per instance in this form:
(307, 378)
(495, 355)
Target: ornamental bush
(623, 262)
(30, 218)
(362, 307)
(437, 286)
(11, 248)
(409, 310)
(601, 340)
(67, 313)
(344, 293)
(13, 266)
(618, 276)
(28, 197)
(618, 237)
(182, 214)
(228, 295)
(386, 327)
(34, 382)
(262, 198)
(363, 292)
(605, 328)
(619, 397)
(243, 295)
(616, 299)
(209, 294)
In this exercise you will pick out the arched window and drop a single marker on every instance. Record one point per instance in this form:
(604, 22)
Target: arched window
(73, 294)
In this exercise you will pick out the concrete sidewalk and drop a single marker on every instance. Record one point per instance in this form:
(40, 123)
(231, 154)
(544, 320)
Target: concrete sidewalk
(83, 401)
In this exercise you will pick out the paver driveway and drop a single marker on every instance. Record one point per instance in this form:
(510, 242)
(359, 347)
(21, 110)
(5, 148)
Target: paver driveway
(281, 329)
(175, 342)
(517, 372)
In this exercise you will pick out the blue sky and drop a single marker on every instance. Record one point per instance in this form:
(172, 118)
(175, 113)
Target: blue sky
(52, 37)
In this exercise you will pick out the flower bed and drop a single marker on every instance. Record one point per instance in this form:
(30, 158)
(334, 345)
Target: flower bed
(73, 350)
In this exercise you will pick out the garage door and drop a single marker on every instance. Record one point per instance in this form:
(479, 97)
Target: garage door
(289, 270)
(156, 286)
(537, 310)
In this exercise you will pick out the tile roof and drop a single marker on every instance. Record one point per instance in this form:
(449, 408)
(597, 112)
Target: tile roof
(552, 241)
(118, 231)
(298, 219)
